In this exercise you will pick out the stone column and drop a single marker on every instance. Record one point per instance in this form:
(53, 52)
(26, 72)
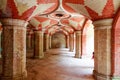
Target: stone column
(46, 42)
(0, 53)
(32, 37)
(67, 41)
(78, 52)
(71, 42)
(14, 49)
(102, 49)
(38, 44)
(29, 41)
(50, 37)
(84, 49)
(0, 43)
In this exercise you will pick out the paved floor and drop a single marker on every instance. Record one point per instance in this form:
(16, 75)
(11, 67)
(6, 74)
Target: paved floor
(59, 64)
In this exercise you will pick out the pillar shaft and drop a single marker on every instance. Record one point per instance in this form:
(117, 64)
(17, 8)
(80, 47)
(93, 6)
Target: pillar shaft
(50, 37)
(84, 41)
(46, 39)
(14, 49)
(32, 37)
(29, 41)
(78, 52)
(47, 42)
(102, 49)
(0, 43)
(71, 42)
(38, 44)
(67, 41)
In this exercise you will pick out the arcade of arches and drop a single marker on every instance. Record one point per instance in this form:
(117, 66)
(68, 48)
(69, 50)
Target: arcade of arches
(38, 26)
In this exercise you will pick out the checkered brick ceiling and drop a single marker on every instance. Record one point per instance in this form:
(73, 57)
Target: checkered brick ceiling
(55, 29)
(39, 23)
(25, 9)
(68, 29)
(75, 22)
(94, 9)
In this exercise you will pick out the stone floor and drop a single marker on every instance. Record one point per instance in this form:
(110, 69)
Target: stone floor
(59, 64)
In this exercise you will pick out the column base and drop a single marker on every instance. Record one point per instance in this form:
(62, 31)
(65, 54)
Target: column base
(20, 77)
(115, 78)
(47, 50)
(38, 57)
(71, 50)
(99, 76)
(76, 56)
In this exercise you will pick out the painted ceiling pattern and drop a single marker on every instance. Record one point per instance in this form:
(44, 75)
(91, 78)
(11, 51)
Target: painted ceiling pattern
(87, 25)
(64, 32)
(29, 31)
(55, 29)
(52, 29)
(25, 9)
(94, 9)
(68, 29)
(39, 23)
(30, 9)
(59, 15)
(75, 22)
(59, 30)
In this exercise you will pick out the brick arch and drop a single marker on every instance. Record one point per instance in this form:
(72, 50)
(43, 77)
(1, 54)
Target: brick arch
(25, 10)
(84, 36)
(93, 9)
(60, 40)
(116, 45)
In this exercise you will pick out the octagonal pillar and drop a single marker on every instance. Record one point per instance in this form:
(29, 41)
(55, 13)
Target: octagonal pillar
(102, 49)
(38, 44)
(14, 49)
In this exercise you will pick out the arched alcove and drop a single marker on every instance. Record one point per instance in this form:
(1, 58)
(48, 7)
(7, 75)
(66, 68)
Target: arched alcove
(88, 39)
(58, 40)
(116, 46)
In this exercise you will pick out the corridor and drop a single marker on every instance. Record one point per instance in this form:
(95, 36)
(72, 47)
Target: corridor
(59, 64)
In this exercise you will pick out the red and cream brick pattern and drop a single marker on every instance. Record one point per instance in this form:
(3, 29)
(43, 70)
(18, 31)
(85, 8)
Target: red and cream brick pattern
(94, 9)
(19, 9)
(39, 23)
(53, 29)
(68, 29)
(75, 22)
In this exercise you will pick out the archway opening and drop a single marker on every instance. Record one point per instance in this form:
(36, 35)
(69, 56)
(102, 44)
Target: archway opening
(88, 41)
(58, 40)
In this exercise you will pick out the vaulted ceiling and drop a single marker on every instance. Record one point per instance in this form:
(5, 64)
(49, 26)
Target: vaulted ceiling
(26, 9)
(93, 9)
(52, 16)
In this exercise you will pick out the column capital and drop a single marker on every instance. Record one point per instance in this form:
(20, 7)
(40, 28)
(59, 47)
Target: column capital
(71, 34)
(46, 33)
(103, 24)
(13, 22)
(78, 32)
(38, 31)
